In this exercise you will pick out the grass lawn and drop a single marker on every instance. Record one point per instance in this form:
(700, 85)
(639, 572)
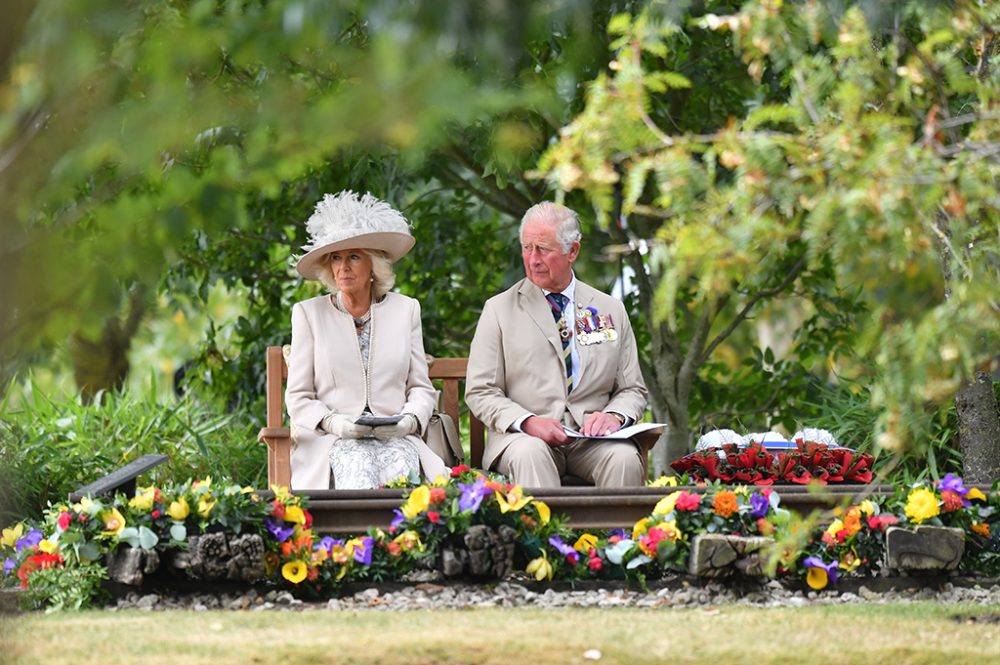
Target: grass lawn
(863, 633)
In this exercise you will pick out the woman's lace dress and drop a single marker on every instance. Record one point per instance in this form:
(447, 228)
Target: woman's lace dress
(371, 463)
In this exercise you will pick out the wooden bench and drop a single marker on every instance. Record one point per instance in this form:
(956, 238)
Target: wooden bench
(450, 371)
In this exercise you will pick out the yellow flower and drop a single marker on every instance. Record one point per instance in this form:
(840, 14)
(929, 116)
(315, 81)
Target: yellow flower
(205, 505)
(86, 505)
(12, 535)
(179, 509)
(849, 560)
(295, 571)
(207, 483)
(247, 490)
(418, 501)
(640, 528)
(975, 493)
(835, 527)
(515, 499)
(281, 493)
(540, 568)
(816, 578)
(922, 504)
(409, 540)
(868, 508)
(144, 500)
(585, 542)
(544, 514)
(48, 546)
(113, 521)
(666, 505)
(440, 481)
(664, 481)
(295, 514)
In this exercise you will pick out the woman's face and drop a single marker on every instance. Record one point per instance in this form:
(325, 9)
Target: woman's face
(352, 270)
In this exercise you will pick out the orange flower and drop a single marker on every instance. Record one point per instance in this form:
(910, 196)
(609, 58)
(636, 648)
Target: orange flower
(724, 504)
(852, 521)
(981, 530)
(950, 501)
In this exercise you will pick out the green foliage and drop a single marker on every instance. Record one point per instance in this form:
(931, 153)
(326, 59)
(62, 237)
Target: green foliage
(49, 448)
(861, 157)
(66, 588)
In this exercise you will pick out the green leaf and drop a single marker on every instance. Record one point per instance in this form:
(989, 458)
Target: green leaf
(178, 532)
(129, 535)
(147, 539)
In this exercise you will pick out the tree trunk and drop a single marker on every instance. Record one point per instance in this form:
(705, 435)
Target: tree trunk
(673, 442)
(102, 364)
(979, 430)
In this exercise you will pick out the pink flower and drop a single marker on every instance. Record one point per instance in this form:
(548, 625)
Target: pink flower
(64, 520)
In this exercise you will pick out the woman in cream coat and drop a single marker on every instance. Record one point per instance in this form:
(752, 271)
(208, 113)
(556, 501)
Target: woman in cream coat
(357, 351)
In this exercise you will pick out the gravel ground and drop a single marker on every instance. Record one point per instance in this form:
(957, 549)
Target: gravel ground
(678, 594)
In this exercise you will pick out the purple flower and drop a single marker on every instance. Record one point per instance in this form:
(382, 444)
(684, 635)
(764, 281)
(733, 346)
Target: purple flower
(829, 568)
(31, 540)
(327, 544)
(398, 519)
(759, 505)
(566, 550)
(473, 495)
(363, 551)
(9, 566)
(953, 483)
(278, 529)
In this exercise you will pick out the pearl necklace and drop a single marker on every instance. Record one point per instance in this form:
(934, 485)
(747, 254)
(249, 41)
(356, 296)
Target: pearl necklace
(358, 321)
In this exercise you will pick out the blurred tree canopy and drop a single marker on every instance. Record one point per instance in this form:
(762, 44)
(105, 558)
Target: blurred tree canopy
(875, 163)
(767, 157)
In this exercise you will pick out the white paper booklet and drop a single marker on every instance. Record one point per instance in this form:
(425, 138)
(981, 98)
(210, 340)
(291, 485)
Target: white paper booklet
(623, 433)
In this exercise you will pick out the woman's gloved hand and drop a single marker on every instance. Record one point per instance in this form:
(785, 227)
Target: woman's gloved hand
(344, 427)
(408, 425)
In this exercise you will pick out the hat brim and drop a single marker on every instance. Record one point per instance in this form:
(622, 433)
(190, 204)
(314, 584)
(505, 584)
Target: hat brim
(395, 246)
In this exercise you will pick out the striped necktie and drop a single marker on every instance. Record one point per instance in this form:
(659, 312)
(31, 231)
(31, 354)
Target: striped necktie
(557, 302)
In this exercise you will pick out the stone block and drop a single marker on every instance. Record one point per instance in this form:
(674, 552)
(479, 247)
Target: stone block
(924, 548)
(716, 555)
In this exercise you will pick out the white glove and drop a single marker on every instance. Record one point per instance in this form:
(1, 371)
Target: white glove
(343, 427)
(408, 425)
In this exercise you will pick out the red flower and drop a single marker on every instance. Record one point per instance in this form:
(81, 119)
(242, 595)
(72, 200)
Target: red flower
(64, 520)
(688, 501)
(277, 510)
(459, 470)
(40, 561)
(950, 501)
(393, 548)
(595, 564)
(433, 516)
(309, 520)
(438, 495)
(156, 514)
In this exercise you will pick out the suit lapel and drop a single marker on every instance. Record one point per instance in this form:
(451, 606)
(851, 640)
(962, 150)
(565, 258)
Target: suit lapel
(537, 308)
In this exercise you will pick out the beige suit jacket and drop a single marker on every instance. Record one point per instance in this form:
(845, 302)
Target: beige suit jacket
(516, 365)
(325, 373)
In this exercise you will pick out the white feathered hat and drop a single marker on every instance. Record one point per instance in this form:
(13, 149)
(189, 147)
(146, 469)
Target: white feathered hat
(347, 221)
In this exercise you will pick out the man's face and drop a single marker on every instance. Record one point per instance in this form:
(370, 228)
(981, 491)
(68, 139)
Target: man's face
(545, 265)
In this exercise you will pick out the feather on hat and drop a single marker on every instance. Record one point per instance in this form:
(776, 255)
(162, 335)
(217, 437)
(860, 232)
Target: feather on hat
(347, 221)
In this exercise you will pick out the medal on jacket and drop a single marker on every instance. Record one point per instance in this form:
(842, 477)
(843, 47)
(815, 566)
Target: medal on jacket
(587, 326)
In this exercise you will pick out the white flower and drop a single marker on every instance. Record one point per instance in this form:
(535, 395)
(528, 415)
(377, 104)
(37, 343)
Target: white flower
(717, 438)
(816, 436)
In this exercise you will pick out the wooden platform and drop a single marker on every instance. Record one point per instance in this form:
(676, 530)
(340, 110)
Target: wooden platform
(353, 511)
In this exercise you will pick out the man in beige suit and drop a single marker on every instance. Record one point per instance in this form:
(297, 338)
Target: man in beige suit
(553, 351)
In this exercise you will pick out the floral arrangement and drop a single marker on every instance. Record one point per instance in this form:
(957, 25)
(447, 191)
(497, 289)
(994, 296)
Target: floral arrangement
(756, 464)
(61, 561)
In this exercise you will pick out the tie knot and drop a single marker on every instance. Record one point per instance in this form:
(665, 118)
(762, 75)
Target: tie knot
(557, 301)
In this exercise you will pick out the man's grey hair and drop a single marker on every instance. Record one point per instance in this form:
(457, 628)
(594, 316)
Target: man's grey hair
(383, 276)
(565, 220)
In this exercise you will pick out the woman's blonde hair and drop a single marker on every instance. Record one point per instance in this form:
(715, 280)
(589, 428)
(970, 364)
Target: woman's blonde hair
(383, 276)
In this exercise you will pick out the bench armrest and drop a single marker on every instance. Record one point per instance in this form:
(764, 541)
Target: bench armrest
(273, 433)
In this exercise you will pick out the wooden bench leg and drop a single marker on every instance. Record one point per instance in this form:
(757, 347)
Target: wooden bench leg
(279, 461)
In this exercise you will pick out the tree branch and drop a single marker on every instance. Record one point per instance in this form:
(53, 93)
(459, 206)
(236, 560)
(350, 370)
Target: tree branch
(754, 299)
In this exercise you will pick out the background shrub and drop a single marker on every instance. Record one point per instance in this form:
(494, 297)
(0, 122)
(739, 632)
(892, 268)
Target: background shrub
(50, 447)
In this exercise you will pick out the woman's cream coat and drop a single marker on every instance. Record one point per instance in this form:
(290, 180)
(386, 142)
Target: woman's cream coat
(325, 373)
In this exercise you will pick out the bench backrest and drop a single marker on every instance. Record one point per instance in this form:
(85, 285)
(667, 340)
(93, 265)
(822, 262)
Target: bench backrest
(450, 371)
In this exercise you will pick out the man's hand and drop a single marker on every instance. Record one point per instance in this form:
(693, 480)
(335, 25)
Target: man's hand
(600, 423)
(547, 429)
